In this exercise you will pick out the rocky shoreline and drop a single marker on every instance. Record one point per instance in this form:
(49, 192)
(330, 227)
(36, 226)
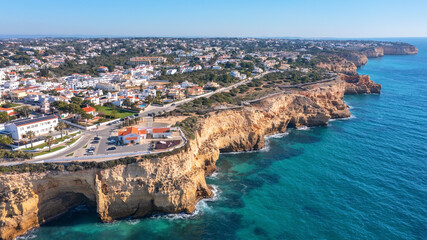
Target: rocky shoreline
(175, 183)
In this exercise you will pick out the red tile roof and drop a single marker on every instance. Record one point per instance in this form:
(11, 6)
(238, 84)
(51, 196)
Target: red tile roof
(89, 109)
(132, 130)
(161, 130)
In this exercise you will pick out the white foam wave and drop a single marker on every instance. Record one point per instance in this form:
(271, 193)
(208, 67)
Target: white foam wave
(201, 208)
(278, 135)
(347, 118)
(214, 175)
(267, 146)
(303, 128)
(29, 235)
(244, 188)
(132, 221)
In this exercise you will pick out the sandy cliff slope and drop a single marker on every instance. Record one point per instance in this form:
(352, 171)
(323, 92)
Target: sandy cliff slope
(168, 184)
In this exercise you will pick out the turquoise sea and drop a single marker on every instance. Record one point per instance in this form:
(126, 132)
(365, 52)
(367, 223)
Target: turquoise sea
(360, 178)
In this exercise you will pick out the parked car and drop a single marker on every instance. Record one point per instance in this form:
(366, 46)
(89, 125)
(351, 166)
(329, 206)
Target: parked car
(95, 142)
(111, 148)
(97, 138)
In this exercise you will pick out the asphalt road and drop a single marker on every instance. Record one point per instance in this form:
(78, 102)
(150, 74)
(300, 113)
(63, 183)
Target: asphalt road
(104, 132)
(171, 106)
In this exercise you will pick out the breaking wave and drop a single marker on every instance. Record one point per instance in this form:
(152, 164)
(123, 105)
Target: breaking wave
(201, 207)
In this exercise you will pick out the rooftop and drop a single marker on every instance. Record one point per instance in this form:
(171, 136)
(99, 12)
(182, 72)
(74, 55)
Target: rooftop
(131, 130)
(22, 122)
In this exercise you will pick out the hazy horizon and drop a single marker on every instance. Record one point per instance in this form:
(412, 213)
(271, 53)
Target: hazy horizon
(23, 36)
(327, 19)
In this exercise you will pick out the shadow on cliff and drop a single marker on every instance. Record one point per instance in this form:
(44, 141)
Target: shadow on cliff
(59, 205)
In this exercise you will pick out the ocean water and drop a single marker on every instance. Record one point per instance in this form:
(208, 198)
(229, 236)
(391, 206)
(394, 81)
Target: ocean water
(360, 178)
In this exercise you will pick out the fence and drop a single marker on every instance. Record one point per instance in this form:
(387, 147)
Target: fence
(28, 144)
(88, 127)
(110, 156)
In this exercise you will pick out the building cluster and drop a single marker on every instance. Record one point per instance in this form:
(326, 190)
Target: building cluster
(38, 72)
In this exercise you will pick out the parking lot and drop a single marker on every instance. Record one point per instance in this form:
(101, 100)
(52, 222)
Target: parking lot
(106, 146)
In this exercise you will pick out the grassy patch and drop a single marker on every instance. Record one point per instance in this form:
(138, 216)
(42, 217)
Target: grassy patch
(73, 141)
(9, 105)
(74, 134)
(69, 155)
(188, 126)
(57, 140)
(121, 113)
(85, 146)
(46, 152)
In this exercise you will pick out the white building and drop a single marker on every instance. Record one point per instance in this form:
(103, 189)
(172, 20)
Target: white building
(11, 85)
(235, 73)
(132, 135)
(159, 132)
(2, 75)
(108, 87)
(40, 125)
(171, 72)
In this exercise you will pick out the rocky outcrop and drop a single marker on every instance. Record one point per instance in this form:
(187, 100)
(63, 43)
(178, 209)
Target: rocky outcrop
(339, 65)
(348, 62)
(358, 59)
(401, 49)
(168, 184)
(360, 84)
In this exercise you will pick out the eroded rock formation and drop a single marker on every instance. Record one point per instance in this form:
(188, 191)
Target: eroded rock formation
(348, 62)
(404, 49)
(168, 184)
(360, 84)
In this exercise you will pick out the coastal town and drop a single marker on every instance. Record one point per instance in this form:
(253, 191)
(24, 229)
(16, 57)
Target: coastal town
(71, 99)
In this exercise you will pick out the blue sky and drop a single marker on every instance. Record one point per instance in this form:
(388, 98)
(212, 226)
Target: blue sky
(216, 18)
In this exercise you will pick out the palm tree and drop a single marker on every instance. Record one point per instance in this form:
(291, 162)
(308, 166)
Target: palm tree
(49, 141)
(5, 140)
(31, 135)
(60, 127)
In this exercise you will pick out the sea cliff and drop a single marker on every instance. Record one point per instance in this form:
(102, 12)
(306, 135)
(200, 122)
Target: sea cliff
(348, 62)
(403, 49)
(166, 184)
(172, 183)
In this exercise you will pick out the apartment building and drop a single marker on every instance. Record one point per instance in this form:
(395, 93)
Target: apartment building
(39, 125)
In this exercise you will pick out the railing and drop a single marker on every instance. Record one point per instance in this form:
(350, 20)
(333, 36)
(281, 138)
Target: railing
(28, 144)
(109, 156)
(88, 127)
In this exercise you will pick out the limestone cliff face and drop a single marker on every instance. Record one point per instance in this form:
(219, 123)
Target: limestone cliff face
(347, 63)
(360, 84)
(340, 65)
(404, 49)
(169, 184)
(358, 59)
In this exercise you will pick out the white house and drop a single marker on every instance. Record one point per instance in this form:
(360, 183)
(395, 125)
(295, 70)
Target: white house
(90, 110)
(11, 85)
(132, 135)
(171, 71)
(235, 73)
(108, 87)
(160, 132)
